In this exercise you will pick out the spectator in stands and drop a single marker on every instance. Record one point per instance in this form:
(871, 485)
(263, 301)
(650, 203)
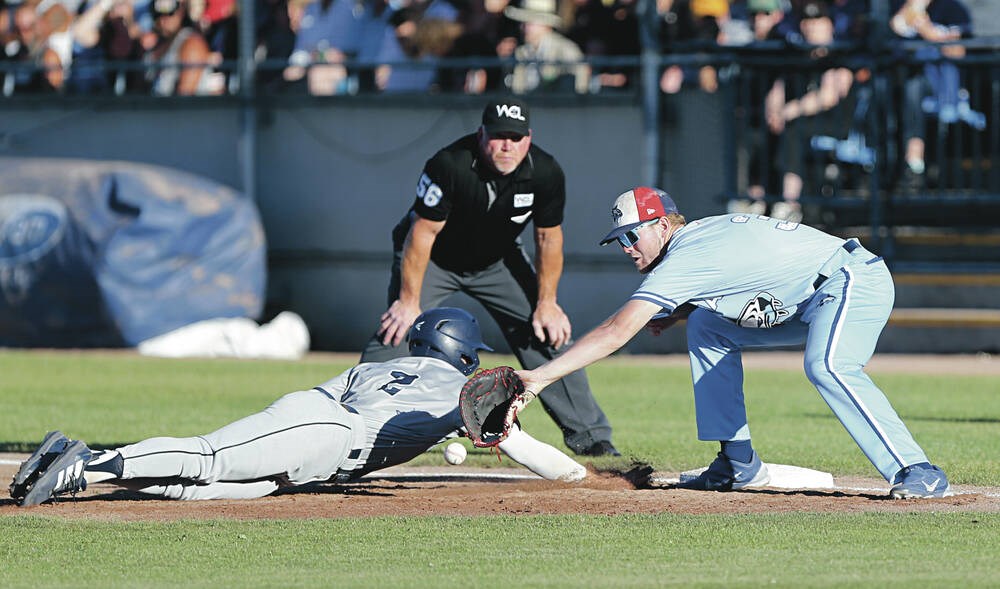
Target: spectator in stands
(768, 26)
(420, 40)
(673, 21)
(488, 33)
(768, 20)
(29, 44)
(214, 12)
(606, 28)
(774, 22)
(107, 31)
(797, 111)
(699, 24)
(850, 20)
(384, 33)
(54, 20)
(7, 32)
(589, 21)
(936, 21)
(734, 26)
(277, 22)
(218, 22)
(708, 16)
(179, 57)
(487, 19)
(328, 36)
(546, 60)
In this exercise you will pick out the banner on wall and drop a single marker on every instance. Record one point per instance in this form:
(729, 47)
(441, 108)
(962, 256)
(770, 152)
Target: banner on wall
(111, 254)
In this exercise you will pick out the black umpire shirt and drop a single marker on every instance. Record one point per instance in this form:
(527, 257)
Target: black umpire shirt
(485, 210)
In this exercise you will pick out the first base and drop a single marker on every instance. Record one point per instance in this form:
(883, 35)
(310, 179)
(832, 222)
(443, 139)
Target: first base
(783, 476)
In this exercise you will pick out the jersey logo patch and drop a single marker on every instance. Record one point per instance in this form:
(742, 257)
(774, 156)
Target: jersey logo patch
(524, 200)
(762, 311)
(428, 191)
(521, 218)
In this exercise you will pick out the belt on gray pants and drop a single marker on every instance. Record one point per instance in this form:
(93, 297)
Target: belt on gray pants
(344, 473)
(360, 434)
(849, 245)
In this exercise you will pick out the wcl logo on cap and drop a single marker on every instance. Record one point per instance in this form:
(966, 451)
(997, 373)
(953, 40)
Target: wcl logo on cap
(510, 111)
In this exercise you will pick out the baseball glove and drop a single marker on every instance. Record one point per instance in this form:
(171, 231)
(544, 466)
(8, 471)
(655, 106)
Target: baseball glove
(489, 402)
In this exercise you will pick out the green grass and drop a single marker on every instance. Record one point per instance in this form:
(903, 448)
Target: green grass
(792, 550)
(112, 399)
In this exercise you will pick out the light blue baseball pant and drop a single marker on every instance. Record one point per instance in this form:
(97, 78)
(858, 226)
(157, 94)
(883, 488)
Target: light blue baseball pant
(839, 325)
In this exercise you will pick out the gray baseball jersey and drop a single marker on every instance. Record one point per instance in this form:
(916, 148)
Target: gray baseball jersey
(372, 416)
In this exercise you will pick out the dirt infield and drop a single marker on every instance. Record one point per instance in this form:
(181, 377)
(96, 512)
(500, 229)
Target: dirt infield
(405, 491)
(421, 491)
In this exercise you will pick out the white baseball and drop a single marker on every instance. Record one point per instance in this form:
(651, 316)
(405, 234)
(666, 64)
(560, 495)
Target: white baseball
(454, 453)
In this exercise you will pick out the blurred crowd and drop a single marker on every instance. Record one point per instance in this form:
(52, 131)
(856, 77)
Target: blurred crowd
(818, 117)
(325, 47)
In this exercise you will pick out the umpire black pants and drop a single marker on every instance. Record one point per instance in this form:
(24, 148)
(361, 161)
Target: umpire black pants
(508, 291)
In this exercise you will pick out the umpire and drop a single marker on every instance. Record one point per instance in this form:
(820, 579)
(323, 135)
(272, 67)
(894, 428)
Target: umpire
(473, 200)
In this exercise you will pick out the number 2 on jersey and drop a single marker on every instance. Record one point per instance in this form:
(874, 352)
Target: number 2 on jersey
(399, 378)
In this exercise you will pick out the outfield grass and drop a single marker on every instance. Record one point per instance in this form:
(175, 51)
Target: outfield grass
(108, 400)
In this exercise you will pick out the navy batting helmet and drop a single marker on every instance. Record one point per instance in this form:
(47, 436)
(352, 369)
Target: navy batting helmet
(449, 334)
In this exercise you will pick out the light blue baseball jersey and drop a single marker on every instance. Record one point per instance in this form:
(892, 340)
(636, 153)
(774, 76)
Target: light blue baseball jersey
(752, 269)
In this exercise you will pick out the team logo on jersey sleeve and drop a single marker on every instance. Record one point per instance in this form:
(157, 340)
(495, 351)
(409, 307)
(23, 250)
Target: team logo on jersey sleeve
(762, 311)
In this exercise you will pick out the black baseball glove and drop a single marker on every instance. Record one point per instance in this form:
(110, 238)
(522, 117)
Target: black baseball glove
(489, 403)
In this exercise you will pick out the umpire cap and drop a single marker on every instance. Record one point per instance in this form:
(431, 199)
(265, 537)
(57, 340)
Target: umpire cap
(506, 115)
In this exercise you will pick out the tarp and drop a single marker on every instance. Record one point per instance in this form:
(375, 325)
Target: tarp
(109, 254)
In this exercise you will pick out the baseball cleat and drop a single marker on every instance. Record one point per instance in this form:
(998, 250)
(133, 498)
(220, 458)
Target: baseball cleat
(725, 474)
(921, 481)
(63, 475)
(53, 444)
(602, 448)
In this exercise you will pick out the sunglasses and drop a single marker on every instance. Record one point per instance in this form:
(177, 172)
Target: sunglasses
(631, 237)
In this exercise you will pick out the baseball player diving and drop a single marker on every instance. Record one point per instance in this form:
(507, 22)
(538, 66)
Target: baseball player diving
(370, 417)
(751, 281)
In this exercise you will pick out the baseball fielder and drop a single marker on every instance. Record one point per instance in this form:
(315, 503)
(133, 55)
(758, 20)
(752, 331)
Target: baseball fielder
(750, 281)
(370, 417)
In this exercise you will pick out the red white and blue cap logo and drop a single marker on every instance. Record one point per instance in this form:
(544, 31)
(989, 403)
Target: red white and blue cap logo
(637, 206)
